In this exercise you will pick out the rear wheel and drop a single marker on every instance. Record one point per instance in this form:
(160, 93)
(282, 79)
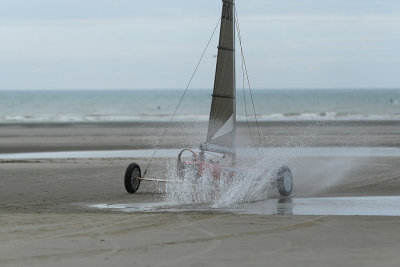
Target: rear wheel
(131, 180)
(284, 181)
(187, 163)
(180, 169)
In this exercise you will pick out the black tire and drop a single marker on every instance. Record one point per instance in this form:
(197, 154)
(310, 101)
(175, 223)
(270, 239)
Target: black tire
(131, 180)
(284, 181)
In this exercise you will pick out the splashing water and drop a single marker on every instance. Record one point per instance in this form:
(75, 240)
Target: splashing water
(241, 186)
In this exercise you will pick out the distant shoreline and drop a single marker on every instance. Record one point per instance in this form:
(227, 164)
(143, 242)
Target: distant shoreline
(157, 106)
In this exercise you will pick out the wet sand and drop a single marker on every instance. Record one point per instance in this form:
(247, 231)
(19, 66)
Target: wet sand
(45, 219)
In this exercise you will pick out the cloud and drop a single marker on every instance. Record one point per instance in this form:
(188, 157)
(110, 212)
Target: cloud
(324, 18)
(120, 38)
(124, 43)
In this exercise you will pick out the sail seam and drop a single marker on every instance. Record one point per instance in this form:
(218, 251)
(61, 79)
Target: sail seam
(229, 2)
(226, 48)
(223, 96)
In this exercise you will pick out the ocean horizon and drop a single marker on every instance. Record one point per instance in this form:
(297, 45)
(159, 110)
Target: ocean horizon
(140, 105)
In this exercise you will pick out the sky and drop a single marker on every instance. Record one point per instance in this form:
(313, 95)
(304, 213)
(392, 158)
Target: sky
(131, 44)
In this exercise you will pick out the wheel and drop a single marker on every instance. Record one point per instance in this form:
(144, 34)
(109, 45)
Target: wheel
(284, 181)
(131, 180)
(180, 169)
(185, 167)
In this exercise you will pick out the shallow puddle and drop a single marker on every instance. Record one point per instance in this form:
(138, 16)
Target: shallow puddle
(365, 206)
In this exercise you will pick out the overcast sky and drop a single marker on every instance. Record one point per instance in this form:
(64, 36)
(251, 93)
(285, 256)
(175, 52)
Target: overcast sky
(105, 44)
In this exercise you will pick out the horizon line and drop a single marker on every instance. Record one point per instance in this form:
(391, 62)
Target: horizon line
(155, 89)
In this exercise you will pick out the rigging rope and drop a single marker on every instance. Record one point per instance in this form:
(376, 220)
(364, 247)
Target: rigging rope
(244, 71)
(180, 100)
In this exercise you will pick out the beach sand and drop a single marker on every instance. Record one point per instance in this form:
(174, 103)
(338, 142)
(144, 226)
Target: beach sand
(45, 219)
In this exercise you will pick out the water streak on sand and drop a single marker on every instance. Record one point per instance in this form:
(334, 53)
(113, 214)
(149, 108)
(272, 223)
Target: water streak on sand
(168, 153)
(341, 206)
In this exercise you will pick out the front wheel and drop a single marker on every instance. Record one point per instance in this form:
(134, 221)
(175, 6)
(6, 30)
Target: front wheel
(131, 180)
(284, 181)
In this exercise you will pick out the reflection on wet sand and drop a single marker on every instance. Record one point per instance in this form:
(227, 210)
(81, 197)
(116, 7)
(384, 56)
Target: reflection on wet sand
(284, 206)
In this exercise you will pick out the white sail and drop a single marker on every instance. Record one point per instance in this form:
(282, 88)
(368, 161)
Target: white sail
(222, 123)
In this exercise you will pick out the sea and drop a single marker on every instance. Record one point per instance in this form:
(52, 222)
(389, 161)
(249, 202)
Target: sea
(70, 106)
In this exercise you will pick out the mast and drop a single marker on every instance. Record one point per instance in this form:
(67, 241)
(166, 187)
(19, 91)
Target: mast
(221, 136)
